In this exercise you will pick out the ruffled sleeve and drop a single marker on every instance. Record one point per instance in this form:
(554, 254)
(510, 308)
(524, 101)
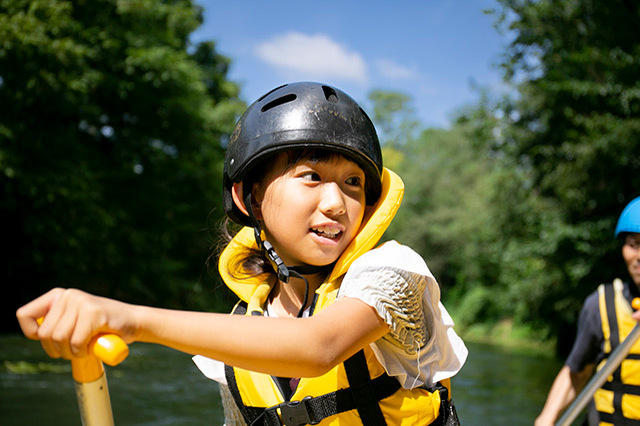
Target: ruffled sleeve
(421, 346)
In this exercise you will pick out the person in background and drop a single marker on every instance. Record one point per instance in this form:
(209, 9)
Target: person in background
(330, 329)
(605, 320)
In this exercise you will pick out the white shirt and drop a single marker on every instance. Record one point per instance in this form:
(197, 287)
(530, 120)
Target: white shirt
(421, 347)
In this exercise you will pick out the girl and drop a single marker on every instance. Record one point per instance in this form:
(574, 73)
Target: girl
(329, 330)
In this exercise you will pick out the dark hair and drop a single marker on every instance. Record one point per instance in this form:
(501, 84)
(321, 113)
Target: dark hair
(253, 262)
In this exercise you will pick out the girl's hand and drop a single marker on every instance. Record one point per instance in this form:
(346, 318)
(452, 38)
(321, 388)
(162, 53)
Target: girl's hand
(72, 318)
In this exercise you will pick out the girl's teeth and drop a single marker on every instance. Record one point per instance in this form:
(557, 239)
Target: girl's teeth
(327, 232)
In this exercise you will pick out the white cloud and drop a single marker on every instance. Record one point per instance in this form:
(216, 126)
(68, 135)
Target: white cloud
(314, 56)
(395, 71)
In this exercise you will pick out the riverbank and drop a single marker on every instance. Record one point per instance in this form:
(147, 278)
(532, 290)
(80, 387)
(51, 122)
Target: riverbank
(507, 335)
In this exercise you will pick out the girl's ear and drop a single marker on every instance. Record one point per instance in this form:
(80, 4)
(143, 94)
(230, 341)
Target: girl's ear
(236, 194)
(238, 198)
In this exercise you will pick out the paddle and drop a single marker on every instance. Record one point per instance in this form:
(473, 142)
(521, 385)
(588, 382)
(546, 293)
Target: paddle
(91, 386)
(596, 382)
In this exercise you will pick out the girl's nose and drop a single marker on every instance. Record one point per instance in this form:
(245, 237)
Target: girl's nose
(332, 199)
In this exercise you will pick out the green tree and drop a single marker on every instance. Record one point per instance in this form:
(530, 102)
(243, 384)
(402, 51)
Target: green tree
(447, 213)
(574, 128)
(394, 116)
(451, 210)
(470, 211)
(110, 148)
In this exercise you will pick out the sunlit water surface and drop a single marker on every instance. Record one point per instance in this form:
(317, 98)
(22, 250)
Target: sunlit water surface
(159, 386)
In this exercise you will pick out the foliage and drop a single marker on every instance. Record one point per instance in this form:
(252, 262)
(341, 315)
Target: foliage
(514, 208)
(112, 130)
(394, 116)
(110, 147)
(575, 126)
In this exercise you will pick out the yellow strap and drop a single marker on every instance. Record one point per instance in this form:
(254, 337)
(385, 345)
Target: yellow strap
(606, 331)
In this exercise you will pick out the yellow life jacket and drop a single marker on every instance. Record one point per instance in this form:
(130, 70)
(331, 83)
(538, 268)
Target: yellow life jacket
(357, 391)
(618, 401)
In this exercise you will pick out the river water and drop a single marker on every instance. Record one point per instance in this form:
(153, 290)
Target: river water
(159, 386)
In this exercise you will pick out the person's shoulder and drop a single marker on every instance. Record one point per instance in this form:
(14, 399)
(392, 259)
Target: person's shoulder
(592, 301)
(392, 254)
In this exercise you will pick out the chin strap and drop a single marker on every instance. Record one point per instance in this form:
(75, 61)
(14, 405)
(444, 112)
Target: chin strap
(282, 271)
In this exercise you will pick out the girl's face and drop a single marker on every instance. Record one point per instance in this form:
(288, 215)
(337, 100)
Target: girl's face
(312, 210)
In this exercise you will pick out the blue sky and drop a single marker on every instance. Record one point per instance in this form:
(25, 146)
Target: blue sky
(431, 50)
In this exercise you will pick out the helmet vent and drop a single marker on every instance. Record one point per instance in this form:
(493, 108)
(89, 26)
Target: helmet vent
(280, 101)
(270, 92)
(330, 94)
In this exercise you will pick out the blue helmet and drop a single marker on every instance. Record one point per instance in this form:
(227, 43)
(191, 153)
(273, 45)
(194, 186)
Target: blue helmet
(629, 220)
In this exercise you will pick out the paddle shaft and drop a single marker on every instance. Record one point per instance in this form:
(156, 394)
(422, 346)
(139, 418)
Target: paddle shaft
(94, 402)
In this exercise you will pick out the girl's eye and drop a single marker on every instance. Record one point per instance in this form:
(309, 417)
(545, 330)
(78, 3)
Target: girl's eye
(354, 181)
(311, 176)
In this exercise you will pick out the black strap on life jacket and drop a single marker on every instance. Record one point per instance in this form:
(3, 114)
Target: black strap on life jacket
(447, 416)
(363, 391)
(363, 394)
(312, 410)
(616, 386)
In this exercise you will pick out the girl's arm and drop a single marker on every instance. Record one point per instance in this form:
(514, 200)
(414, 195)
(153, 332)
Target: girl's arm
(291, 347)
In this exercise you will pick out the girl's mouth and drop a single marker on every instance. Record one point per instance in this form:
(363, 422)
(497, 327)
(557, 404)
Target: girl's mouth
(331, 232)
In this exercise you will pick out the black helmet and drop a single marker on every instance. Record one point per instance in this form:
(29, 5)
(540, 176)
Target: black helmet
(301, 115)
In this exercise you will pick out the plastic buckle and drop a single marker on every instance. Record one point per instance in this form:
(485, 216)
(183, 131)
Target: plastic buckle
(296, 413)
